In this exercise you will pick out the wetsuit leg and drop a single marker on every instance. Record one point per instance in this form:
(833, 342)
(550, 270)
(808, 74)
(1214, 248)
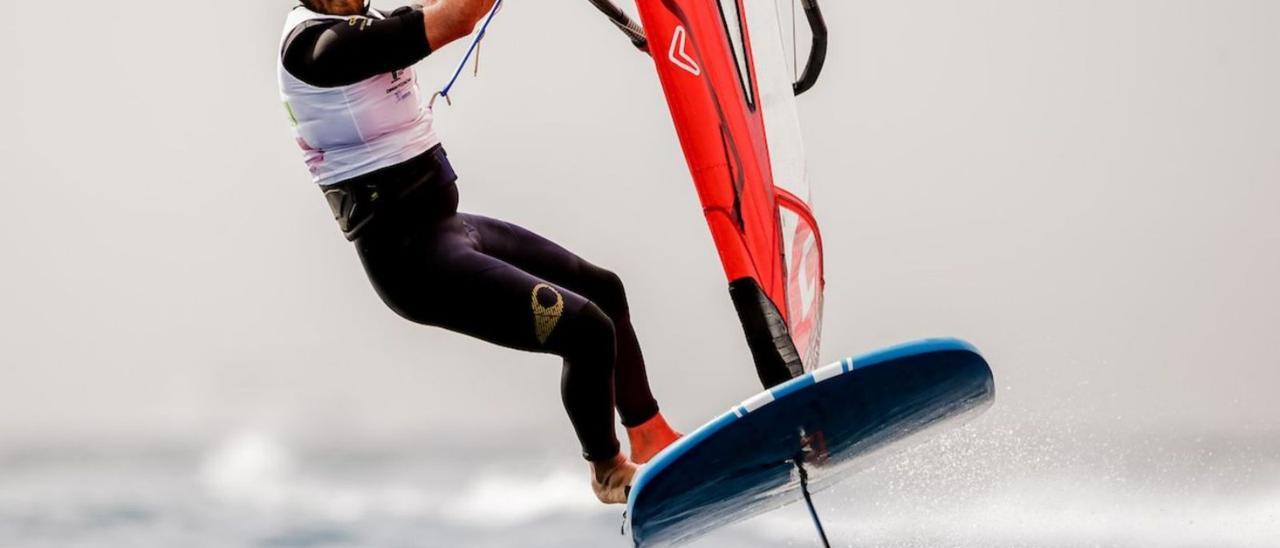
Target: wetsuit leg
(436, 273)
(544, 258)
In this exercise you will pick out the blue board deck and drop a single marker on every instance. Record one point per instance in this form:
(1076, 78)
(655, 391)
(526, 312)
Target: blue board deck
(744, 463)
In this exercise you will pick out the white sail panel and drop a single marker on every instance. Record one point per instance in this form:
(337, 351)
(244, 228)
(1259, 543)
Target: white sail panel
(801, 239)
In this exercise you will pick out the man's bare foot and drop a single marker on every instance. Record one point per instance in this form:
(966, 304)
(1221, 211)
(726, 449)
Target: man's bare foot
(611, 479)
(651, 438)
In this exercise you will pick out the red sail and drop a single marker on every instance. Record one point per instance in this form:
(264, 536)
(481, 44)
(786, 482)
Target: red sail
(733, 108)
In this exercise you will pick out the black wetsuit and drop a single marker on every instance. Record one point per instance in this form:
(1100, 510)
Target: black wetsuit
(471, 274)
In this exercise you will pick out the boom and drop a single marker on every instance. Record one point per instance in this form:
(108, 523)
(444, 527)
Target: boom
(624, 23)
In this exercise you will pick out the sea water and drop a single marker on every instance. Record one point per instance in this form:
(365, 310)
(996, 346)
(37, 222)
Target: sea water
(986, 484)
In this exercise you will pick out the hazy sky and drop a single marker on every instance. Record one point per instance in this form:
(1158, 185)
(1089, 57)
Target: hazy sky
(1087, 190)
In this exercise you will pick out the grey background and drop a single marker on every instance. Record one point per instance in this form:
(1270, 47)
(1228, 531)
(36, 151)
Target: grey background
(1087, 190)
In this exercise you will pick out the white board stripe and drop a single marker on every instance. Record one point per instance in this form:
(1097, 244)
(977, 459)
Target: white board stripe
(760, 400)
(830, 371)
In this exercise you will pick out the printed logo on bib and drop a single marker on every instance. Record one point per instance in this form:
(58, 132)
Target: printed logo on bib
(403, 84)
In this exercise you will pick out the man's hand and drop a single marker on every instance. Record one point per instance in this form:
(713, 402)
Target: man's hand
(449, 20)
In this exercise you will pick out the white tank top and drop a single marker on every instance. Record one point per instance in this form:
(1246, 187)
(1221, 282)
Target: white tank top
(357, 129)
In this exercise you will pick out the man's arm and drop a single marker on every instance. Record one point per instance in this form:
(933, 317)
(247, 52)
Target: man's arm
(332, 53)
(449, 20)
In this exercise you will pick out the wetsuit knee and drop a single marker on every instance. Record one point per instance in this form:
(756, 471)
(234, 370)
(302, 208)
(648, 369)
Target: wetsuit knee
(605, 289)
(589, 338)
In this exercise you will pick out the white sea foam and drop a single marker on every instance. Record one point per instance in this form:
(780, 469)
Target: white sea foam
(255, 469)
(504, 499)
(250, 467)
(1049, 514)
(978, 489)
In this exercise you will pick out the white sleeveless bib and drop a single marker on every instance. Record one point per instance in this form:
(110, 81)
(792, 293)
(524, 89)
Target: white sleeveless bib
(353, 130)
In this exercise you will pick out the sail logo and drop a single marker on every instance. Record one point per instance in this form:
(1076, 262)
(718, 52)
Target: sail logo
(679, 53)
(804, 288)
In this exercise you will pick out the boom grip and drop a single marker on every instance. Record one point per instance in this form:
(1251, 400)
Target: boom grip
(817, 53)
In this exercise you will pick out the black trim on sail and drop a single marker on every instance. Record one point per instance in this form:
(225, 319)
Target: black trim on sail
(777, 360)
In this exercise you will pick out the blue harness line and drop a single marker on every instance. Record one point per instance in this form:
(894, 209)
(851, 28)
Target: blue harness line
(473, 49)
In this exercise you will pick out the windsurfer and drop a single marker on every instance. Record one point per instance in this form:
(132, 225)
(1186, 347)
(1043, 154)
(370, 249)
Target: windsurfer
(347, 80)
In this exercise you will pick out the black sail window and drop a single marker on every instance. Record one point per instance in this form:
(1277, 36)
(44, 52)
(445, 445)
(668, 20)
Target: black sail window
(731, 14)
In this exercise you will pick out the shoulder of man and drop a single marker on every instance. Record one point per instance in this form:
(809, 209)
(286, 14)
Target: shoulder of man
(315, 24)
